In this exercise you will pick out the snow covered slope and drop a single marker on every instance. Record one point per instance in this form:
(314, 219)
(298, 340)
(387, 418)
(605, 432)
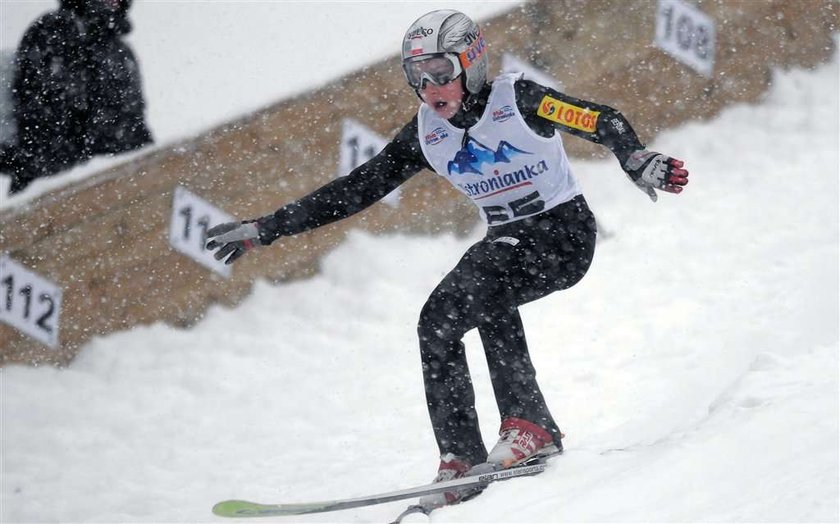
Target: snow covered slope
(694, 370)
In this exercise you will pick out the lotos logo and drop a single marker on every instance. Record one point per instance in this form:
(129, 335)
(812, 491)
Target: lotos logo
(568, 115)
(420, 32)
(503, 113)
(437, 136)
(548, 108)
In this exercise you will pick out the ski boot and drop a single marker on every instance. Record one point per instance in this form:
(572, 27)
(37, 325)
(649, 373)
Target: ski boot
(451, 467)
(521, 442)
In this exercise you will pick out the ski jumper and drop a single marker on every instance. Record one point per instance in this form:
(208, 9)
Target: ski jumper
(541, 239)
(503, 151)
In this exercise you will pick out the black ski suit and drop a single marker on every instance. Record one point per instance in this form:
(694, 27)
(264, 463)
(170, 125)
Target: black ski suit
(513, 264)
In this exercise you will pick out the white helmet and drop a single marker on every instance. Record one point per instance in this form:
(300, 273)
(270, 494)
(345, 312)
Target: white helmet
(441, 45)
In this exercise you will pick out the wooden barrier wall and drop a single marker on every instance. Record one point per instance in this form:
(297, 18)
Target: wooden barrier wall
(105, 240)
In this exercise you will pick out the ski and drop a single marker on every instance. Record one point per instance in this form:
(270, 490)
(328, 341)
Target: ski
(243, 508)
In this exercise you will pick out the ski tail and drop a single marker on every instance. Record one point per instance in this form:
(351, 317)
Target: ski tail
(411, 510)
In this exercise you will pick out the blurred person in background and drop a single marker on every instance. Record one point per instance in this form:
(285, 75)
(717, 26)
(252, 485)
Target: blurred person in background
(499, 143)
(76, 91)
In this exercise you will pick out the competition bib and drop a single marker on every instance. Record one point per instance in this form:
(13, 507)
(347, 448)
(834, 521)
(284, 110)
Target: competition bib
(507, 170)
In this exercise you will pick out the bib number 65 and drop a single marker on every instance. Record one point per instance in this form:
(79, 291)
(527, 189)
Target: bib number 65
(528, 205)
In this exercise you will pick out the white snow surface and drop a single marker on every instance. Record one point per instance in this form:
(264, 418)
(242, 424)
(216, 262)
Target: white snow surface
(694, 369)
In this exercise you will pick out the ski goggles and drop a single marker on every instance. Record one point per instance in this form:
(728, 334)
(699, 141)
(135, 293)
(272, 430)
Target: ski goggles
(438, 69)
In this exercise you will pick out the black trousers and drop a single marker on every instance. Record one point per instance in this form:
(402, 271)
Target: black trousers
(514, 264)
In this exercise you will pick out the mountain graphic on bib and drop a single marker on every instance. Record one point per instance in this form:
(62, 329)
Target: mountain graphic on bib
(474, 155)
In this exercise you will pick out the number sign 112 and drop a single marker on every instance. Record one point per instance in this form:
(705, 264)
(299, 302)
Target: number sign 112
(29, 302)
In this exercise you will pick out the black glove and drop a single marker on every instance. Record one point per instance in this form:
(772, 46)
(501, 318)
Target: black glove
(234, 239)
(650, 170)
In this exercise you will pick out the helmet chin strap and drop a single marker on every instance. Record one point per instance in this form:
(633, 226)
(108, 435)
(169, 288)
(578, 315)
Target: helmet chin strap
(469, 100)
(467, 103)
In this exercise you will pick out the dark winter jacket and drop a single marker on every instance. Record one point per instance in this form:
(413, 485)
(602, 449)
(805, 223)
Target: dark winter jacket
(76, 91)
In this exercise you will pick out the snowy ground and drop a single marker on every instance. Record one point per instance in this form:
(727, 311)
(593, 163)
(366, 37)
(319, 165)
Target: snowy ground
(694, 370)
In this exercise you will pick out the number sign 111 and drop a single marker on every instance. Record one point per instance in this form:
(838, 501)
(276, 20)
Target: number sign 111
(191, 217)
(358, 145)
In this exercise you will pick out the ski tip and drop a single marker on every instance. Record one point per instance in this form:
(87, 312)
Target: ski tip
(235, 508)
